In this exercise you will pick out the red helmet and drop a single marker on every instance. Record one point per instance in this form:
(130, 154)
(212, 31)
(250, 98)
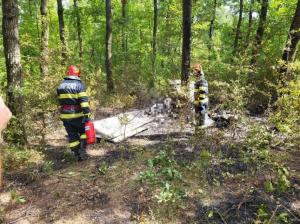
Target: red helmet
(73, 70)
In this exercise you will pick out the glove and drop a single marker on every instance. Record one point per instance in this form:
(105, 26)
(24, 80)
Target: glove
(85, 119)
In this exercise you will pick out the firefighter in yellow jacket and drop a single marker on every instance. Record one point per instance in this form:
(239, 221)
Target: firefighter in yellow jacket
(200, 96)
(74, 110)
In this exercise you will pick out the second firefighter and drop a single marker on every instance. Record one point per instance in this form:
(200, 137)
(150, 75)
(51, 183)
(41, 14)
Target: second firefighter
(74, 110)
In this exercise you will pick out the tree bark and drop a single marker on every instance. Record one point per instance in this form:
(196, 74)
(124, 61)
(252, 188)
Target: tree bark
(124, 22)
(154, 37)
(44, 63)
(260, 32)
(10, 30)
(60, 13)
(238, 29)
(212, 25)
(250, 22)
(78, 29)
(11, 44)
(108, 45)
(290, 49)
(186, 40)
(44, 38)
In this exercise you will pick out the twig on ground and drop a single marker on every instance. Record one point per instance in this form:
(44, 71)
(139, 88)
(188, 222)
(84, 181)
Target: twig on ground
(274, 213)
(289, 211)
(221, 216)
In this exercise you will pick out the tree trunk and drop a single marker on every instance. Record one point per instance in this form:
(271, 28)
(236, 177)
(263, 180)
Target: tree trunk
(290, 49)
(250, 22)
(186, 40)
(60, 13)
(260, 32)
(44, 64)
(238, 29)
(108, 45)
(78, 29)
(10, 31)
(154, 37)
(124, 22)
(44, 38)
(211, 26)
(30, 7)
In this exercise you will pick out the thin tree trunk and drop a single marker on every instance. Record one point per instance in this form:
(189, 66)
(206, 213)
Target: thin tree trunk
(212, 25)
(250, 22)
(260, 32)
(238, 29)
(30, 7)
(10, 31)
(60, 13)
(78, 29)
(154, 37)
(44, 38)
(186, 40)
(290, 49)
(168, 29)
(108, 44)
(44, 64)
(124, 21)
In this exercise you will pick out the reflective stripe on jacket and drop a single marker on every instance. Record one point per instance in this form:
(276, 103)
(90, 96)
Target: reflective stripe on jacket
(72, 98)
(201, 92)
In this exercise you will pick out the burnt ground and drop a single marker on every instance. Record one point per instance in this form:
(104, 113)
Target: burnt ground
(106, 187)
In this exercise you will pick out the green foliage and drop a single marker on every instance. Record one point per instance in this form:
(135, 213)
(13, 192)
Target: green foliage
(15, 196)
(258, 143)
(263, 213)
(16, 158)
(14, 132)
(281, 183)
(103, 168)
(283, 218)
(47, 166)
(161, 168)
(132, 67)
(2, 213)
(265, 216)
(230, 96)
(287, 115)
(205, 158)
(167, 193)
(68, 157)
(163, 172)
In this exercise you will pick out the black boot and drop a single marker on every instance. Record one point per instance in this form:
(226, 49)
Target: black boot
(82, 152)
(76, 153)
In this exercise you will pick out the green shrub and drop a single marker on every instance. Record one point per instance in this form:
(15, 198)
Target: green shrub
(16, 158)
(163, 173)
(287, 116)
(258, 143)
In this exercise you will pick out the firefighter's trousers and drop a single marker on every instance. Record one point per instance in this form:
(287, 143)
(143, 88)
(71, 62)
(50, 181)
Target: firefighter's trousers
(76, 135)
(201, 113)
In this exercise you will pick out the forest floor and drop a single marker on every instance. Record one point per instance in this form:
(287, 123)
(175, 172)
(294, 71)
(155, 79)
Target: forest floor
(205, 180)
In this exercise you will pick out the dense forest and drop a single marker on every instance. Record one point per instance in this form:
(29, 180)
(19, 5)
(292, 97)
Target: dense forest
(128, 51)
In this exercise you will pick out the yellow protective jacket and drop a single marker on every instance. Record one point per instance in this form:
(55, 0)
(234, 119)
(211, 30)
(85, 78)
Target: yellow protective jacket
(73, 99)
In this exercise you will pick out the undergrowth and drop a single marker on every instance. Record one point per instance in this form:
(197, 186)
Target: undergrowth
(174, 184)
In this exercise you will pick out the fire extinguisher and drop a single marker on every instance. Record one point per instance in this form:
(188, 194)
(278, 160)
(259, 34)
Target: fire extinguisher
(90, 132)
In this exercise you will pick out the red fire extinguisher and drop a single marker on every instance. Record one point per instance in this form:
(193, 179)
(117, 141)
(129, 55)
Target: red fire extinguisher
(90, 132)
